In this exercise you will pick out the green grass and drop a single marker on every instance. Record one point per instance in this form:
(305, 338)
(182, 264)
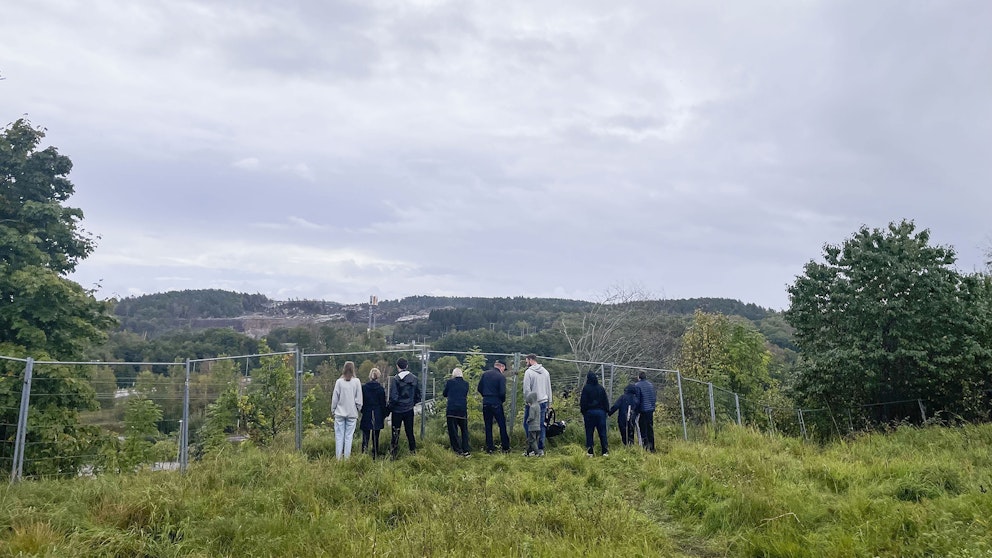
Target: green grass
(911, 492)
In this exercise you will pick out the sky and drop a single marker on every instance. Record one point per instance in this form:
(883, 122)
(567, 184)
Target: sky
(334, 150)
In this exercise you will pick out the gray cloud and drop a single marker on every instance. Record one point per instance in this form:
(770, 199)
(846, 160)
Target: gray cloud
(330, 149)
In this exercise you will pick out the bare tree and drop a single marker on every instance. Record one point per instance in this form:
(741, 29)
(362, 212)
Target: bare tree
(611, 330)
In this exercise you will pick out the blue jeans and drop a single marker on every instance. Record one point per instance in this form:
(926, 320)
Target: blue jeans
(344, 434)
(544, 425)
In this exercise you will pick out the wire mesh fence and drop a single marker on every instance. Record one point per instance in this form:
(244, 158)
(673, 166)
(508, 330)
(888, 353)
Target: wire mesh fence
(78, 418)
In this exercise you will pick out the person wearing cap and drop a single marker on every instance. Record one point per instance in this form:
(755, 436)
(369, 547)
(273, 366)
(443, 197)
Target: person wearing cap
(492, 387)
(537, 380)
(456, 391)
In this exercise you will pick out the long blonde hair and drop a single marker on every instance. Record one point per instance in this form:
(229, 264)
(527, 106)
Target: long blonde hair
(374, 375)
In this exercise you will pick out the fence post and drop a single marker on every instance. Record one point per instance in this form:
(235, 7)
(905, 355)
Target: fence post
(923, 410)
(613, 372)
(513, 400)
(299, 399)
(425, 357)
(771, 419)
(17, 467)
(712, 406)
(685, 429)
(737, 402)
(184, 427)
(802, 425)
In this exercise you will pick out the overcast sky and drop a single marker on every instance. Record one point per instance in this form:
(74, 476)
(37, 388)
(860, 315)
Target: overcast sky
(334, 150)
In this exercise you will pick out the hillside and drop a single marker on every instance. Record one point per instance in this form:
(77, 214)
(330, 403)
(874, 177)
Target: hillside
(255, 314)
(912, 492)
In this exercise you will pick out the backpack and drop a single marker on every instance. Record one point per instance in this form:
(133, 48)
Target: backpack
(553, 427)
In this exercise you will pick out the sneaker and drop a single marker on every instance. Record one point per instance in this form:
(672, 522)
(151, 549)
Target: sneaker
(540, 453)
(466, 454)
(589, 453)
(490, 452)
(606, 454)
(528, 454)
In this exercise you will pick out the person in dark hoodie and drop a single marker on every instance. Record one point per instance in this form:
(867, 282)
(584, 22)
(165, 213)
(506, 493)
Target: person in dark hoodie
(404, 394)
(456, 390)
(627, 405)
(594, 404)
(373, 412)
(492, 387)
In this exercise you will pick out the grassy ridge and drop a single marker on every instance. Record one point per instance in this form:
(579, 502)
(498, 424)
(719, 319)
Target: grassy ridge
(908, 493)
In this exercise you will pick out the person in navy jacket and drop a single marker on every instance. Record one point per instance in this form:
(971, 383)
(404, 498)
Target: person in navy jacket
(627, 405)
(492, 387)
(645, 418)
(456, 391)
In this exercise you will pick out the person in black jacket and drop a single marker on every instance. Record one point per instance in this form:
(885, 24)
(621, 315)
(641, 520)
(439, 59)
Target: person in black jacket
(627, 405)
(404, 394)
(373, 412)
(456, 390)
(492, 387)
(594, 404)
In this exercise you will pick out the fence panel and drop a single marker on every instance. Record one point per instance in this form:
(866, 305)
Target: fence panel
(12, 373)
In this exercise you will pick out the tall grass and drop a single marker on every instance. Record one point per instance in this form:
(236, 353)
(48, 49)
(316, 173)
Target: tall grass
(911, 492)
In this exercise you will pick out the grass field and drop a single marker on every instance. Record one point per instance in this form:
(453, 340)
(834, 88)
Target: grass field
(910, 492)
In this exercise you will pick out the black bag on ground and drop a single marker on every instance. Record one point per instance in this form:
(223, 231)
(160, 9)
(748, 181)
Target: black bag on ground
(553, 427)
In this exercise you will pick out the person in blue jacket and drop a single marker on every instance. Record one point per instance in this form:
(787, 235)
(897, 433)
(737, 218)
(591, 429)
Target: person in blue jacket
(594, 404)
(373, 412)
(456, 391)
(645, 416)
(627, 406)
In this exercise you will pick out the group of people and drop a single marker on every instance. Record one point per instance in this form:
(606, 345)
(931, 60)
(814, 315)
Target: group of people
(635, 407)
(367, 406)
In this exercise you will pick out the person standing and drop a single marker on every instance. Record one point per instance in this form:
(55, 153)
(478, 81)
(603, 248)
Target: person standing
(492, 387)
(532, 426)
(346, 405)
(645, 418)
(594, 404)
(373, 412)
(627, 405)
(456, 391)
(404, 394)
(537, 380)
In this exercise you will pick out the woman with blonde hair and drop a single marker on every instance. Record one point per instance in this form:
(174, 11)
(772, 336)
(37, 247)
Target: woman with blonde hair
(346, 406)
(373, 412)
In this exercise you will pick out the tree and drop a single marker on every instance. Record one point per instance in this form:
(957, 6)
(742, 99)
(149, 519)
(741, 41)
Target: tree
(474, 365)
(269, 407)
(42, 313)
(141, 418)
(610, 330)
(886, 317)
(729, 353)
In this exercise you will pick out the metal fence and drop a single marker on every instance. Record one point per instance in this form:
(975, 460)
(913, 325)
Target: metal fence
(145, 412)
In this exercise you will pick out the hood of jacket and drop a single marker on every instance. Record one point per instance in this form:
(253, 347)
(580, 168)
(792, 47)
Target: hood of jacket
(538, 369)
(592, 378)
(630, 389)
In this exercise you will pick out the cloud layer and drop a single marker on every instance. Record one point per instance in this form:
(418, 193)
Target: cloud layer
(340, 149)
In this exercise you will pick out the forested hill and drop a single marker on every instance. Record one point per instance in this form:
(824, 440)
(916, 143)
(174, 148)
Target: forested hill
(159, 313)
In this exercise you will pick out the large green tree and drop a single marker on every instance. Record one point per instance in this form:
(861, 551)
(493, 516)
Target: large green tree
(886, 316)
(42, 313)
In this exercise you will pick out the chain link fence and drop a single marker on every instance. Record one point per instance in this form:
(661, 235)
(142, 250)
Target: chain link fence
(78, 418)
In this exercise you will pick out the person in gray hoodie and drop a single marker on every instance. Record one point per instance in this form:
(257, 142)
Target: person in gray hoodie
(537, 380)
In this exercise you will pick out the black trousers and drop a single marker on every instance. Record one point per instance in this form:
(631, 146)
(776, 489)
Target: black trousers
(406, 420)
(595, 420)
(373, 436)
(492, 413)
(459, 444)
(627, 430)
(645, 423)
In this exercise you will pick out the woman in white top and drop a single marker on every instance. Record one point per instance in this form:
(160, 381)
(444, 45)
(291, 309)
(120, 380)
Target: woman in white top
(346, 405)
